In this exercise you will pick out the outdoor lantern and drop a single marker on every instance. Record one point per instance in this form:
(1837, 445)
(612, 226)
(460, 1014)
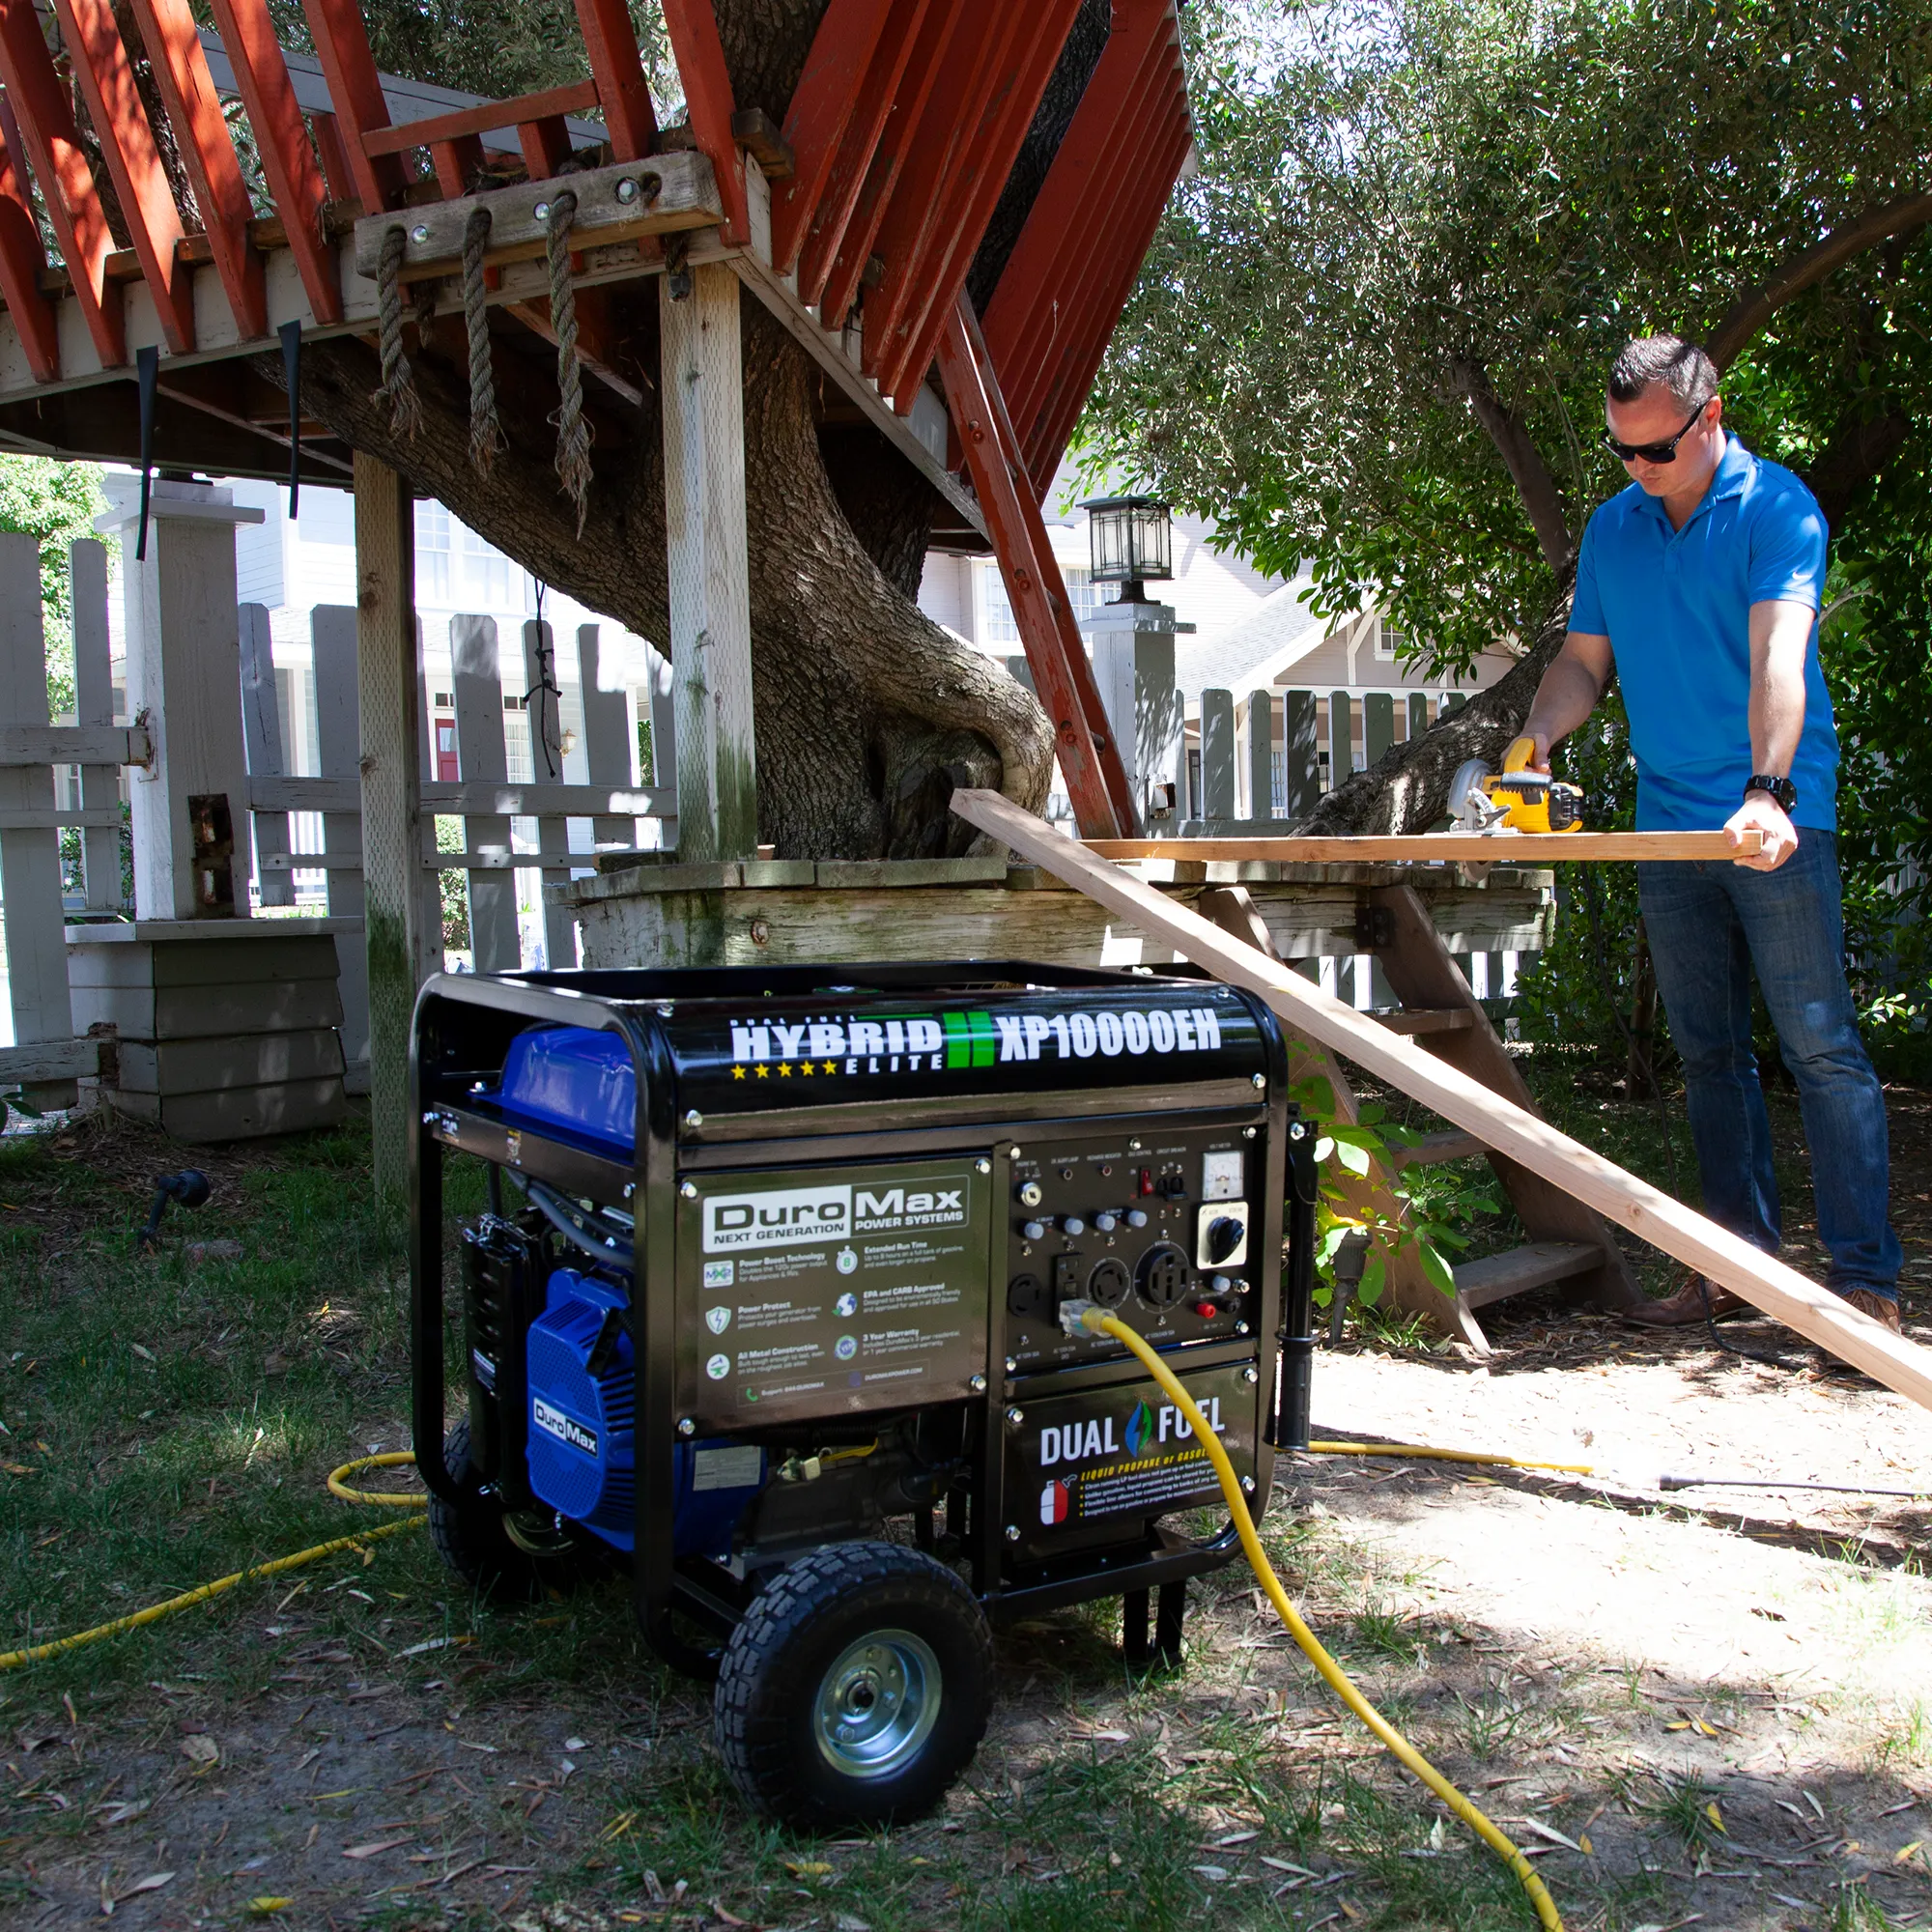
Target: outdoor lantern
(1132, 539)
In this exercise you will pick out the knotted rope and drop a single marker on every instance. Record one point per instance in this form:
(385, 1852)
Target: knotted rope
(486, 433)
(573, 432)
(399, 383)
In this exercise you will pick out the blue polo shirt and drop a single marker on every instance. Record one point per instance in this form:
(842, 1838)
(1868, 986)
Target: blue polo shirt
(1676, 608)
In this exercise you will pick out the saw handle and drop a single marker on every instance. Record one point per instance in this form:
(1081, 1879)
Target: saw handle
(1519, 753)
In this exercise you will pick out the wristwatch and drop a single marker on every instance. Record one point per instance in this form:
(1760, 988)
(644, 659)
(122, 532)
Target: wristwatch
(1782, 789)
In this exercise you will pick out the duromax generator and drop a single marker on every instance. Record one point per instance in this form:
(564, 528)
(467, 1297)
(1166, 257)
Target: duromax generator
(763, 1311)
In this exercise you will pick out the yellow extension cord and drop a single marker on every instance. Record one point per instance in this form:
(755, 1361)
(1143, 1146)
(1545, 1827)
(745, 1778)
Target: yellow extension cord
(1097, 1322)
(12, 1659)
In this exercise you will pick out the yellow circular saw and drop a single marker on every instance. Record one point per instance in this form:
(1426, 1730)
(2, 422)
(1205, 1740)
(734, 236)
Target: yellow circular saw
(1515, 799)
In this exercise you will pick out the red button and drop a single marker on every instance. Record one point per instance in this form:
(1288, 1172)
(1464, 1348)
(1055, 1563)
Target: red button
(1206, 1309)
(1147, 1181)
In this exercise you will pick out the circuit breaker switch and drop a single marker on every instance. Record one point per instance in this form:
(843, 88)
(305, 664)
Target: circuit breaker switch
(1221, 1235)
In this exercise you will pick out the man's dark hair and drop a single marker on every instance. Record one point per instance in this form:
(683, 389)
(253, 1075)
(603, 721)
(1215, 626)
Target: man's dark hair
(1681, 367)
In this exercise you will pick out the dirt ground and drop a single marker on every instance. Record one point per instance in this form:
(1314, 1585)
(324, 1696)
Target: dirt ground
(1707, 1707)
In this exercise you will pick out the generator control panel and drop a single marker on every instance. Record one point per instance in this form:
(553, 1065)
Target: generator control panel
(1159, 1227)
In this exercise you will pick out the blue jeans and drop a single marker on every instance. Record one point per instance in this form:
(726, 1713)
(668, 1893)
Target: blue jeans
(1709, 925)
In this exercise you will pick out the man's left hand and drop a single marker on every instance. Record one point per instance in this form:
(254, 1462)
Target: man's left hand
(1761, 812)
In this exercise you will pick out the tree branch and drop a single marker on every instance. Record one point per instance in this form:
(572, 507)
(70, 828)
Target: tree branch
(1752, 309)
(1859, 450)
(1534, 484)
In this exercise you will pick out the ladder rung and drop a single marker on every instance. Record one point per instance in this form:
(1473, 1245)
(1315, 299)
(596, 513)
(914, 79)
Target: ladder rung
(1426, 1019)
(1451, 1145)
(1495, 1277)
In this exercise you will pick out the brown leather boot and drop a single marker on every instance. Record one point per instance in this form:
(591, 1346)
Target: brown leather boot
(1693, 1302)
(1880, 1307)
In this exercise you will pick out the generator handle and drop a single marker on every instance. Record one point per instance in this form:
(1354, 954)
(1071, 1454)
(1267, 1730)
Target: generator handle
(1295, 1371)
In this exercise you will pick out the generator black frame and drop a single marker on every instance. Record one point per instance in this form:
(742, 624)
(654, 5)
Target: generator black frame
(461, 1029)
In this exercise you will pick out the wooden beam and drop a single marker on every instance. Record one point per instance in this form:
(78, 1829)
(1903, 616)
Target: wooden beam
(23, 257)
(186, 88)
(403, 945)
(830, 92)
(707, 99)
(1813, 1312)
(1442, 848)
(485, 118)
(51, 138)
(288, 162)
(702, 393)
(1535, 1265)
(342, 46)
(52, 1060)
(612, 45)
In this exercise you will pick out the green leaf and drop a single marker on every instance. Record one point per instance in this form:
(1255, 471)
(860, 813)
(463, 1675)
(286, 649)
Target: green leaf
(1355, 1159)
(1440, 1274)
(1375, 1277)
(1323, 1148)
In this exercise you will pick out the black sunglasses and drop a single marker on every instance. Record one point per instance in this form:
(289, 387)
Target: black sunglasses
(1652, 452)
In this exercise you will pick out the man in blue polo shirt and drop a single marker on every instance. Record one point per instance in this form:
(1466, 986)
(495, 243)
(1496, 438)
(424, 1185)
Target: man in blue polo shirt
(1700, 586)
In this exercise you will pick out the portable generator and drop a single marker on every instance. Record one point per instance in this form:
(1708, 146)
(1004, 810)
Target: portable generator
(763, 1311)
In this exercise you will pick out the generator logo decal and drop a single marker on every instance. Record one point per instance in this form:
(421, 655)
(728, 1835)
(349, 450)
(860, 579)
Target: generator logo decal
(930, 1206)
(785, 1217)
(1139, 1424)
(919, 1043)
(565, 1428)
(1145, 1428)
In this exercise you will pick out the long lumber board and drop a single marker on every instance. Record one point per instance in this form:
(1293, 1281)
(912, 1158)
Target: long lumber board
(1503, 848)
(1782, 1291)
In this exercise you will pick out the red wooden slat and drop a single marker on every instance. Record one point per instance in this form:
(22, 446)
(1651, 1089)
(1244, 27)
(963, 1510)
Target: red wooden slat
(457, 164)
(1117, 188)
(941, 272)
(612, 43)
(208, 154)
(52, 144)
(338, 181)
(22, 257)
(1057, 221)
(1067, 395)
(545, 145)
(1033, 583)
(484, 118)
(707, 99)
(834, 261)
(342, 46)
(826, 96)
(972, 75)
(262, 79)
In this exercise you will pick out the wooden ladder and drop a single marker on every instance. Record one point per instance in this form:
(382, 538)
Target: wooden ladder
(1569, 1243)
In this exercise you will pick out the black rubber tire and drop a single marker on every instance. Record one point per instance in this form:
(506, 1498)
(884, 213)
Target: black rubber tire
(778, 1659)
(474, 1543)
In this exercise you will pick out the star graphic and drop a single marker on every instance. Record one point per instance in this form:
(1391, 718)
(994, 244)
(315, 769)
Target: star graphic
(784, 1070)
(830, 1068)
(737, 1073)
(764, 1071)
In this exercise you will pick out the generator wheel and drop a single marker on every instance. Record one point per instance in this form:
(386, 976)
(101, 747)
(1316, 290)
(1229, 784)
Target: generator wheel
(474, 1544)
(856, 1688)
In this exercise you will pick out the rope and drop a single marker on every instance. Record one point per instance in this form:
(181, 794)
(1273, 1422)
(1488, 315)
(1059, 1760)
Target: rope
(399, 383)
(486, 433)
(573, 432)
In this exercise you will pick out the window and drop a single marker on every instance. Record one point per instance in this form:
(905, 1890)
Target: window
(432, 553)
(487, 574)
(1081, 593)
(1390, 644)
(1001, 626)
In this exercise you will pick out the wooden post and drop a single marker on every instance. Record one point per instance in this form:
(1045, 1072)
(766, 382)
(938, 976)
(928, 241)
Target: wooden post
(1378, 726)
(262, 740)
(30, 876)
(1418, 714)
(94, 704)
(338, 752)
(1217, 754)
(1133, 671)
(710, 592)
(185, 672)
(388, 687)
(1301, 771)
(1341, 738)
(1260, 721)
(483, 760)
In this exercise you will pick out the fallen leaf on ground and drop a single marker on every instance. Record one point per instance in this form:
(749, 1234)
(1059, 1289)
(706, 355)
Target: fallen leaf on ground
(1215, 1874)
(370, 1850)
(265, 1906)
(807, 1868)
(154, 1882)
(201, 1749)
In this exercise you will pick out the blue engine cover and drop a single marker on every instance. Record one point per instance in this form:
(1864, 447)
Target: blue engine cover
(582, 1431)
(576, 1078)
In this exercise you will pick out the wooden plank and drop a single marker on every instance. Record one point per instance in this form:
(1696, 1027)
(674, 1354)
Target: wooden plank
(1418, 714)
(180, 67)
(1440, 1019)
(44, 121)
(1507, 848)
(1258, 730)
(262, 741)
(1341, 737)
(612, 45)
(1783, 1293)
(49, 1061)
(1217, 754)
(1378, 726)
(23, 258)
(227, 1062)
(396, 930)
(338, 749)
(609, 743)
(710, 593)
(672, 193)
(356, 88)
(545, 718)
(692, 28)
(664, 745)
(288, 162)
(75, 744)
(1452, 1144)
(482, 756)
(462, 799)
(1537, 1264)
(249, 1113)
(94, 708)
(1302, 772)
(483, 119)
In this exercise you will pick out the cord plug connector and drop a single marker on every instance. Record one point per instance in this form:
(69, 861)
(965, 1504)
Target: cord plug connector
(1073, 1315)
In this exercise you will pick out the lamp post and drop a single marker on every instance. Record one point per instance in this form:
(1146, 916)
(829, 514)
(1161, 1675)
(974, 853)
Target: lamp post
(1130, 542)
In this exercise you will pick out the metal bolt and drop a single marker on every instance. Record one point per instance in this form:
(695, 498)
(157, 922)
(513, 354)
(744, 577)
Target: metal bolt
(694, 1119)
(1133, 1147)
(1261, 1081)
(1298, 1131)
(1249, 1133)
(689, 1189)
(1251, 1375)
(429, 1117)
(686, 1426)
(1248, 1484)
(1013, 1532)
(1012, 1153)
(665, 1011)
(630, 1190)
(541, 211)
(627, 190)
(1016, 1416)
(978, 1385)
(420, 234)
(1240, 1327)
(1011, 1365)
(983, 1167)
